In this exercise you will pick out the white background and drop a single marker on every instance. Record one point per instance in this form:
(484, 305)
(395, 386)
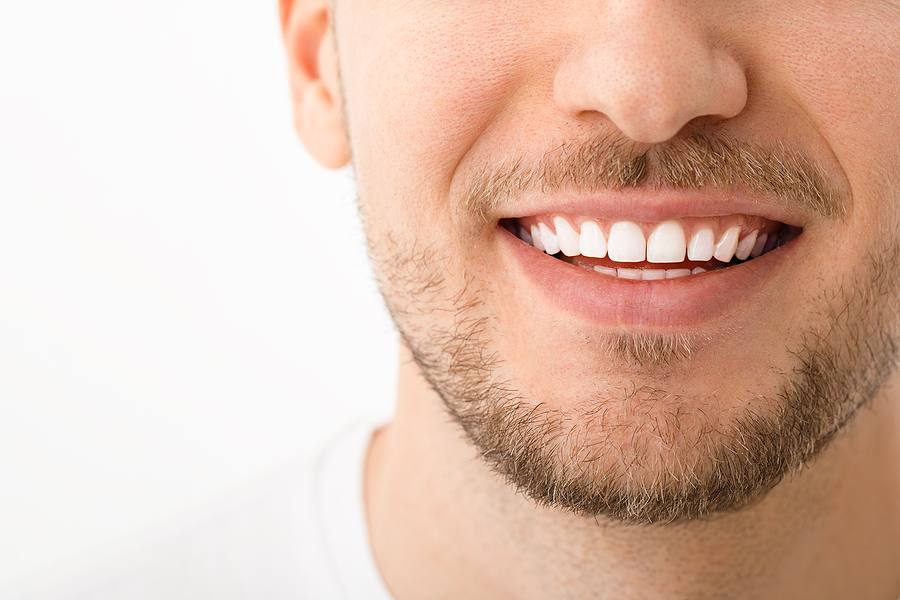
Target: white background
(185, 302)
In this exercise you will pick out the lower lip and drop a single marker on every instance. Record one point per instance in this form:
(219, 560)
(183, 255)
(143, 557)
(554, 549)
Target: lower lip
(666, 304)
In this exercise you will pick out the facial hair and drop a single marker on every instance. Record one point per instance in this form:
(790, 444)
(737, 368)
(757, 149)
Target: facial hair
(706, 466)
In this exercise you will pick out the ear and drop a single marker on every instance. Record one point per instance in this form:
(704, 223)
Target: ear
(315, 89)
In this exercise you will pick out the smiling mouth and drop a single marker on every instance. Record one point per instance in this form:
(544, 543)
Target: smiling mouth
(644, 251)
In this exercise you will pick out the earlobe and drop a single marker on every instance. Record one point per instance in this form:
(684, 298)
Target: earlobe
(315, 90)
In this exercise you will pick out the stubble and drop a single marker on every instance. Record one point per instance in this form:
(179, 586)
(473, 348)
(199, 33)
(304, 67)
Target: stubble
(684, 463)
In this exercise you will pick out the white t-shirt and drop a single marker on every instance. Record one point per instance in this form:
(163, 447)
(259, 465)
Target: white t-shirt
(300, 535)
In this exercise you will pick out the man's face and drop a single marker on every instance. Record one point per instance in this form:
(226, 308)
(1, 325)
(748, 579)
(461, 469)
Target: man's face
(677, 395)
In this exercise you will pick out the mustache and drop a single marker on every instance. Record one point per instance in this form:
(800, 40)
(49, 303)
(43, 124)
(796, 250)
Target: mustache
(613, 163)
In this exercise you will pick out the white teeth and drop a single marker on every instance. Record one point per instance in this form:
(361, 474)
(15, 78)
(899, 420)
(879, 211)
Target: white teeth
(727, 245)
(626, 242)
(568, 237)
(698, 270)
(643, 274)
(551, 242)
(605, 270)
(703, 244)
(759, 245)
(653, 274)
(745, 246)
(592, 242)
(536, 240)
(629, 273)
(666, 244)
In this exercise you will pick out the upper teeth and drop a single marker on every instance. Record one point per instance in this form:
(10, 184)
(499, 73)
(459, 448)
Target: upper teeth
(667, 243)
(626, 242)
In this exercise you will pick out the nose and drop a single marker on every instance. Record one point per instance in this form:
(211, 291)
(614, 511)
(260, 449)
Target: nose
(650, 67)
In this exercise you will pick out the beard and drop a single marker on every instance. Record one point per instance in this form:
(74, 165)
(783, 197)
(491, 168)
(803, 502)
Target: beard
(684, 459)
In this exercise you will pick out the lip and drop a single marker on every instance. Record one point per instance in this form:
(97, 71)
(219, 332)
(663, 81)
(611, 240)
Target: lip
(662, 305)
(657, 205)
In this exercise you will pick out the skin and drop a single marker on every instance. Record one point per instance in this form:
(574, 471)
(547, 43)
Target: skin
(426, 93)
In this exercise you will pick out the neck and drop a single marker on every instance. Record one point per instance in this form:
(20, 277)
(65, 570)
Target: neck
(443, 526)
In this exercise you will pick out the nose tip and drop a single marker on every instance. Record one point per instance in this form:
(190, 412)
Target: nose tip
(652, 79)
(652, 102)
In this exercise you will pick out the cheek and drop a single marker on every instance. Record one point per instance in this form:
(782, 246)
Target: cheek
(865, 129)
(426, 84)
(848, 80)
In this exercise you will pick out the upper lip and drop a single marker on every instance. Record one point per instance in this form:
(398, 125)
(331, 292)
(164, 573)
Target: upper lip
(657, 205)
